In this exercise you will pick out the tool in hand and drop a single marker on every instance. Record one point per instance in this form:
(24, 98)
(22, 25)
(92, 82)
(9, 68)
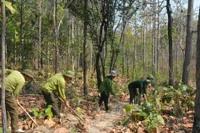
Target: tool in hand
(73, 111)
(27, 113)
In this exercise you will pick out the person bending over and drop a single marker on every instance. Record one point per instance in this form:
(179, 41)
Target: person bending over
(137, 89)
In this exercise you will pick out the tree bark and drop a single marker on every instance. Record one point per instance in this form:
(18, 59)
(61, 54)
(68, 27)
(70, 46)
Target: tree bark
(100, 69)
(154, 39)
(84, 49)
(39, 36)
(56, 36)
(188, 49)
(196, 128)
(171, 69)
(3, 35)
(21, 35)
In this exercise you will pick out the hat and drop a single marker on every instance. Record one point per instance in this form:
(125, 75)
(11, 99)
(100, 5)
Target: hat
(29, 73)
(148, 82)
(70, 74)
(150, 77)
(112, 73)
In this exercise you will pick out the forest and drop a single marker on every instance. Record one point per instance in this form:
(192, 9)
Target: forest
(136, 38)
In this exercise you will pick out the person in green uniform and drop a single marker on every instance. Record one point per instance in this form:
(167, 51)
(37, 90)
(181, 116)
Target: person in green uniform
(106, 88)
(14, 84)
(53, 91)
(141, 85)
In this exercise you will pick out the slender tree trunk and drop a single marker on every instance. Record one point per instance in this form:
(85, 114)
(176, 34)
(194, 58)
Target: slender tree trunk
(98, 70)
(188, 49)
(91, 57)
(39, 36)
(171, 69)
(135, 53)
(15, 51)
(3, 35)
(21, 37)
(196, 128)
(158, 40)
(101, 41)
(144, 54)
(154, 39)
(56, 36)
(84, 49)
(121, 41)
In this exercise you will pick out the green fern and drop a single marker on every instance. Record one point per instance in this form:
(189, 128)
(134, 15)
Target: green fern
(48, 111)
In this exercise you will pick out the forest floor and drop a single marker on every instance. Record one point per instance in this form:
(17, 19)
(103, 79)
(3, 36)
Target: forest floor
(92, 120)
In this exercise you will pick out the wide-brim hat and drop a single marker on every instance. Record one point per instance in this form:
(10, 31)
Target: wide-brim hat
(150, 77)
(28, 73)
(69, 74)
(148, 82)
(112, 73)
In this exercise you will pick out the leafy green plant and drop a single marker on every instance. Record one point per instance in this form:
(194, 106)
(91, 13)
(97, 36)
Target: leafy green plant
(79, 111)
(74, 130)
(153, 121)
(128, 108)
(41, 114)
(180, 97)
(37, 113)
(48, 111)
(148, 112)
(125, 120)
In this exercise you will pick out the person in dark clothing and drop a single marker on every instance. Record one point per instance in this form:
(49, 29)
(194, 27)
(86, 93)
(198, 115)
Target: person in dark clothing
(141, 85)
(106, 88)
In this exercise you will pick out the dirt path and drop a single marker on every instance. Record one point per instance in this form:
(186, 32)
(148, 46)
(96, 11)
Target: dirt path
(101, 121)
(94, 122)
(104, 122)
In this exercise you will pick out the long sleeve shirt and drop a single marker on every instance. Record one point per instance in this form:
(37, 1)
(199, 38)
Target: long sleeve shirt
(7, 72)
(107, 86)
(55, 83)
(15, 82)
(140, 84)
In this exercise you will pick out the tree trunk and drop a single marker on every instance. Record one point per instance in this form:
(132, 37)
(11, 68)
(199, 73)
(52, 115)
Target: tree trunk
(56, 36)
(101, 42)
(196, 128)
(171, 69)
(144, 49)
(39, 36)
(3, 35)
(188, 49)
(121, 41)
(154, 39)
(98, 70)
(158, 38)
(84, 49)
(21, 37)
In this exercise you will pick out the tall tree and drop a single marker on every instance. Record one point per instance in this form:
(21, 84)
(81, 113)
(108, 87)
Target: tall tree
(85, 48)
(188, 49)
(171, 69)
(154, 38)
(3, 35)
(196, 127)
(39, 35)
(21, 34)
(56, 36)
